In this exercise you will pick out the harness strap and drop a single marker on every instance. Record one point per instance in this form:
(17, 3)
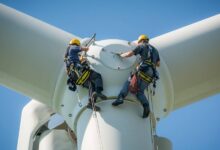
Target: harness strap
(150, 63)
(145, 77)
(83, 78)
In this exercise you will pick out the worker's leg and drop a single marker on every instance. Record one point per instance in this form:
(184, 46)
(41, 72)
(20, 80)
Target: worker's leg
(123, 93)
(92, 97)
(71, 76)
(96, 79)
(142, 98)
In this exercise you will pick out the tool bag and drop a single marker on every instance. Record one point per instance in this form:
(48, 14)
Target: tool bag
(133, 86)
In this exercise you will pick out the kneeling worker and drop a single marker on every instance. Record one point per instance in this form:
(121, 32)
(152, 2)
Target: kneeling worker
(75, 69)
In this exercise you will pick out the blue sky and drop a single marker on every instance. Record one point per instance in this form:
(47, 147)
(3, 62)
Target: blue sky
(191, 128)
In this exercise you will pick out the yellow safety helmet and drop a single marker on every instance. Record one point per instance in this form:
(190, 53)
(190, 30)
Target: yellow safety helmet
(142, 37)
(74, 41)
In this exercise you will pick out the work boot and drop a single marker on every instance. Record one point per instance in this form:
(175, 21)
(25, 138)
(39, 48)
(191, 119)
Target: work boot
(118, 101)
(89, 106)
(146, 112)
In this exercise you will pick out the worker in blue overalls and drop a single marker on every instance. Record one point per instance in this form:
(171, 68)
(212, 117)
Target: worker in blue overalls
(75, 69)
(145, 73)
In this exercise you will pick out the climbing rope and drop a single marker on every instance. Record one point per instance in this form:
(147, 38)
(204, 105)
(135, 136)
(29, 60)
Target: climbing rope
(74, 140)
(152, 106)
(149, 96)
(95, 116)
(78, 98)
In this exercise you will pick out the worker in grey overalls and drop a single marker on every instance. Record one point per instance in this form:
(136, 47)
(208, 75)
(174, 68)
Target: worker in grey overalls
(145, 73)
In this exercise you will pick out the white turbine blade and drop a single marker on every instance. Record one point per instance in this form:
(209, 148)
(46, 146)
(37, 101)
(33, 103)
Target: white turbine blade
(31, 54)
(192, 55)
(34, 115)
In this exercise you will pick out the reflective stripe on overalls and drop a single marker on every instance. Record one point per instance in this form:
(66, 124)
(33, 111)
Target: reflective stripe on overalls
(83, 78)
(150, 63)
(80, 77)
(144, 76)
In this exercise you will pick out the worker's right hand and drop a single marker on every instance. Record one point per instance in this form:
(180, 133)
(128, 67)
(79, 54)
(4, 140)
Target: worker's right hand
(122, 55)
(85, 49)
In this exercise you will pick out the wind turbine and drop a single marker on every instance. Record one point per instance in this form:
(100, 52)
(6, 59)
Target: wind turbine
(37, 51)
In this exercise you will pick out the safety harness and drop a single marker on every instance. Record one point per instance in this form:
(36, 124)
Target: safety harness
(139, 73)
(79, 75)
(149, 63)
(83, 78)
(145, 77)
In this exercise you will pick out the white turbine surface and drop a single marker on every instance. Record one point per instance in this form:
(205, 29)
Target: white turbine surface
(31, 54)
(31, 62)
(192, 56)
(34, 115)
